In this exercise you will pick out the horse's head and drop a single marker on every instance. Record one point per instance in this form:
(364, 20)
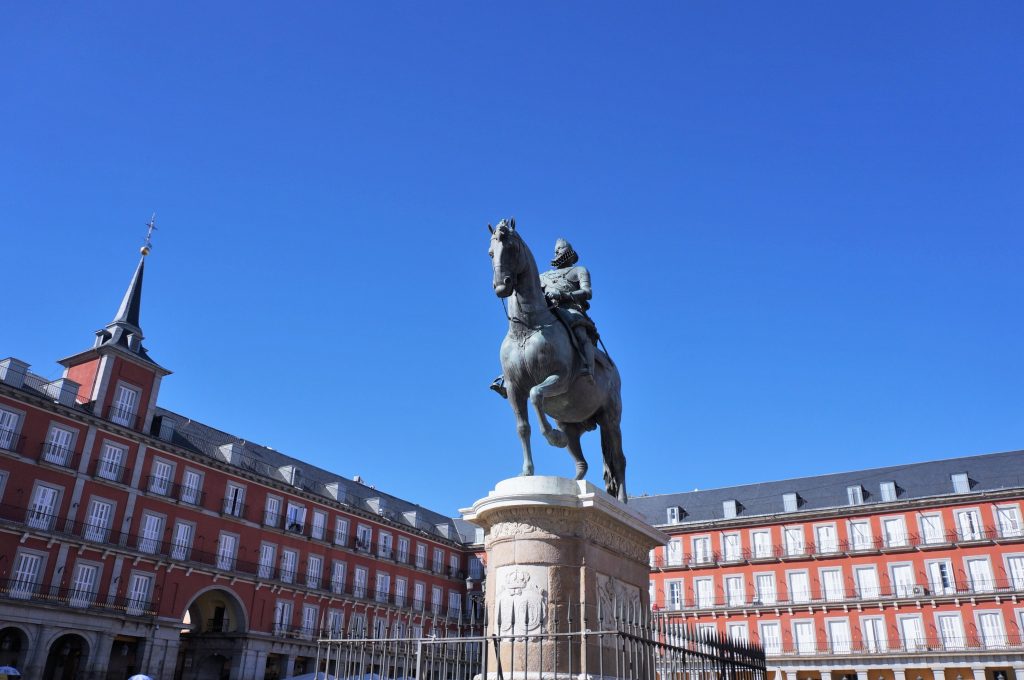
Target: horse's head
(505, 251)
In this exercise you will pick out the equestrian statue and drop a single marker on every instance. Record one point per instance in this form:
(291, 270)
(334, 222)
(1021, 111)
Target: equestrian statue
(549, 355)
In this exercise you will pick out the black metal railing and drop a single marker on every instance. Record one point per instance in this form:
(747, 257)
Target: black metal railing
(124, 417)
(232, 507)
(953, 643)
(111, 472)
(11, 442)
(35, 593)
(55, 454)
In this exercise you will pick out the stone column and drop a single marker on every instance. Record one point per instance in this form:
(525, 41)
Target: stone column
(562, 557)
(939, 673)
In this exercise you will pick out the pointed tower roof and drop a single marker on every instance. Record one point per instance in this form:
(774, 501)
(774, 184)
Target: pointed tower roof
(128, 312)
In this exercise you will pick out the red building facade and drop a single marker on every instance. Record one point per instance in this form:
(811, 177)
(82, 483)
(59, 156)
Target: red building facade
(913, 572)
(133, 539)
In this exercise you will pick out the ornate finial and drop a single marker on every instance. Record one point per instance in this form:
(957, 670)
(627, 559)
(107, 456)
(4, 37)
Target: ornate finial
(148, 244)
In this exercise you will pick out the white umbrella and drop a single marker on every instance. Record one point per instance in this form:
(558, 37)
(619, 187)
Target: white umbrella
(10, 671)
(140, 676)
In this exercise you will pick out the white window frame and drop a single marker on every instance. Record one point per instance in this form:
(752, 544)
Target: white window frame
(879, 632)
(364, 537)
(360, 582)
(314, 570)
(861, 542)
(341, 526)
(703, 599)
(234, 499)
(43, 515)
(25, 580)
(829, 546)
(421, 555)
(381, 586)
(974, 529)
(902, 589)
(403, 549)
(888, 491)
(120, 413)
(757, 550)
(159, 484)
(830, 594)
(844, 646)
(289, 567)
(92, 530)
(227, 550)
(793, 535)
(267, 560)
(10, 427)
(137, 598)
(930, 535)
(385, 544)
(734, 596)
(916, 644)
(675, 594)
(936, 573)
(899, 538)
(961, 482)
(82, 592)
(950, 639)
(772, 646)
(987, 583)
(272, 517)
(191, 494)
(703, 554)
(796, 594)
(804, 647)
(438, 562)
(60, 452)
(294, 516)
(339, 572)
(855, 495)
(106, 466)
(318, 525)
(1000, 639)
(764, 597)
(1008, 520)
(732, 546)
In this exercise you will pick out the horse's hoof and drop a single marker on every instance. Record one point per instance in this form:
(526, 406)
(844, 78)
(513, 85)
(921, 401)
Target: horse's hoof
(527, 471)
(557, 438)
(581, 470)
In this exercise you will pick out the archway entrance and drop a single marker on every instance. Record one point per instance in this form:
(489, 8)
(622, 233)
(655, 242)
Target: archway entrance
(13, 647)
(212, 637)
(67, 659)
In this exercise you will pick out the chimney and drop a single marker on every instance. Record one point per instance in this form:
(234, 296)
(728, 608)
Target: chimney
(13, 372)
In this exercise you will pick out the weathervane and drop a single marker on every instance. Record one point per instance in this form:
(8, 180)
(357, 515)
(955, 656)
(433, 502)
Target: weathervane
(148, 244)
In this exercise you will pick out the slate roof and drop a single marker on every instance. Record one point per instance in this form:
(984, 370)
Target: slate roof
(193, 435)
(986, 472)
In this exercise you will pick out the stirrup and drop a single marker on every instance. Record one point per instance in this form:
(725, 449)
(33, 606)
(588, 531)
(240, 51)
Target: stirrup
(499, 388)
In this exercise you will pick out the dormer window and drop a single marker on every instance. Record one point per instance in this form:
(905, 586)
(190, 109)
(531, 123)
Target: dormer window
(855, 494)
(961, 483)
(674, 513)
(888, 491)
(790, 502)
(730, 509)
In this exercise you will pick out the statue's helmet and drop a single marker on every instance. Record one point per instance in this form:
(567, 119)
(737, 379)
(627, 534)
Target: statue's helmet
(565, 256)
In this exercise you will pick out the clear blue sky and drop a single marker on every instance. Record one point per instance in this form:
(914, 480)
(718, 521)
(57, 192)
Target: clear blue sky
(803, 220)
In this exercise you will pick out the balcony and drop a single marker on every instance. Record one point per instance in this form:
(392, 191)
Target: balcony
(112, 472)
(37, 594)
(973, 643)
(60, 456)
(124, 417)
(232, 507)
(10, 442)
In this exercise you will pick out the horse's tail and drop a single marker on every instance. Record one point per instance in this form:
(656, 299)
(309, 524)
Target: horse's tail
(613, 457)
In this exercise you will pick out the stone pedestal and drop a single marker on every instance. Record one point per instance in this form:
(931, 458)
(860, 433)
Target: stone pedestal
(562, 557)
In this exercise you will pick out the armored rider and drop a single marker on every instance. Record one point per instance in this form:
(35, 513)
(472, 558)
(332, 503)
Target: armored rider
(567, 289)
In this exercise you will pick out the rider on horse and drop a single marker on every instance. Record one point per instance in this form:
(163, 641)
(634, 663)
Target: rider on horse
(567, 290)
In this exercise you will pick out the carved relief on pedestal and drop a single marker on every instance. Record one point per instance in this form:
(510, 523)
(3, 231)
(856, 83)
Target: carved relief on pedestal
(618, 602)
(521, 601)
(538, 522)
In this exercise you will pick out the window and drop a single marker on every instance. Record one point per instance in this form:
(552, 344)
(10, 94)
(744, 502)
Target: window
(26, 575)
(160, 480)
(794, 540)
(673, 514)
(730, 547)
(771, 637)
(383, 587)
(1008, 521)
(418, 595)
(855, 495)
(421, 556)
(380, 627)
(979, 571)
(401, 587)
(803, 636)
(272, 511)
(951, 630)
(8, 429)
(268, 555)
(704, 592)
(338, 571)
(364, 537)
(319, 528)
(765, 586)
(902, 576)
(43, 507)
(359, 586)
(384, 544)
(790, 502)
(295, 517)
(940, 578)
(139, 587)
(826, 539)
(403, 549)
(341, 531)
(227, 548)
(454, 604)
(912, 633)
(289, 563)
(860, 534)
(701, 552)
(674, 593)
(234, 500)
(894, 532)
(453, 564)
(191, 483)
(309, 613)
(181, 541)
(397, 630)
(968, 525)
(931, 529)
(83, 585)
(151, 529)
(282, 617)
(734, 591)
(476, 567)
(438, 560)
(357, 626)
(867, 582)
(435, 599)
(873, 629)
(335, 623)
(799, 587)
(674, 552)
(110, 465)
(314, 570)
(888, 490)
(990, 625)
(832, 585)
(762, 541)
(1015, 570)
(730, 509)
(961, 483)
(126, 400)
(58, 446)
(838, 632)
(97, 523)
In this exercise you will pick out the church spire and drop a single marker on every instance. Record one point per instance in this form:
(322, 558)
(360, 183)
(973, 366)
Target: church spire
(128, 313)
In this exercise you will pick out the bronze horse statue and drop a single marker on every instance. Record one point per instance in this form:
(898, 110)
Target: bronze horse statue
(540, 363)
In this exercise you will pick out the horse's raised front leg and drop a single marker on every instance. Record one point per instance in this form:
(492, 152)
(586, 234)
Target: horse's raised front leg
(552, 385)
(573, 432)
(517, 399)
